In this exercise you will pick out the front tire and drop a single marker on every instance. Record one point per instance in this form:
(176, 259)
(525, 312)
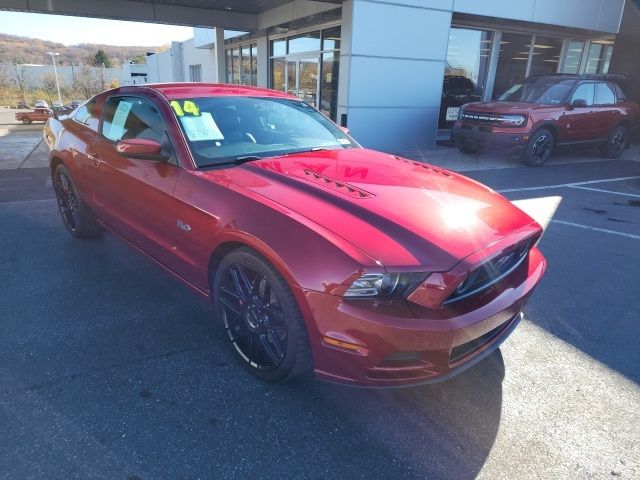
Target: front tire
(261, 317)
(76, 215)
(616, 143)
(539, 149)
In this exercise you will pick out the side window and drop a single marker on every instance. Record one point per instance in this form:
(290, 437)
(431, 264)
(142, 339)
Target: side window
(620, 93)
(604, 94)
(585, 92)
(124, 118)
(84, 115)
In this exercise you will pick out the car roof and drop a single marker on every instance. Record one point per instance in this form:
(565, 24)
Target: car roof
(177, 90)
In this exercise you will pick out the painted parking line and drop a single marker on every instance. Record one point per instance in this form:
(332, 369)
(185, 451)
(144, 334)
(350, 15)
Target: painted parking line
(18, 202)
(596, 229)
(565, 185)
(604, 191)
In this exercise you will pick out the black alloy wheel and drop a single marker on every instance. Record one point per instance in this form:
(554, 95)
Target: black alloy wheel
(261, 317)
(77, 217)
(539, 148)
(617, 142)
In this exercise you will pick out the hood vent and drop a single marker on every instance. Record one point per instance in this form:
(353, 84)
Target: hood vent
(334, 184)
(426, 166)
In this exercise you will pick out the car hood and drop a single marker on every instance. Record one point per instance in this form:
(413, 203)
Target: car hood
(507, 107)
(400, 212)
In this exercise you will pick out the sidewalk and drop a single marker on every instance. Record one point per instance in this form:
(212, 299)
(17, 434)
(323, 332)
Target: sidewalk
(449, 157)
(22, 148)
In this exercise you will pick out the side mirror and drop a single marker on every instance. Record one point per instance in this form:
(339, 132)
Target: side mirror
(579, 103)
(142, 148)
(344, 129)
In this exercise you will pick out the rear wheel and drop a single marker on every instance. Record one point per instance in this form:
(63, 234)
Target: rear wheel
(26, 121)
(261, 317)
(539, 149)
(616, 143)
(76, 216)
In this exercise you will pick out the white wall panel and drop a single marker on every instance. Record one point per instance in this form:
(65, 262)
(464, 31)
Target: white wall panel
(386, 30)
(512, 9)
(395, 82)
(394, 130)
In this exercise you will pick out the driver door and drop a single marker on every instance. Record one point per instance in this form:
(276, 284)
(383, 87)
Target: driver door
(132, 195)
(577, 123)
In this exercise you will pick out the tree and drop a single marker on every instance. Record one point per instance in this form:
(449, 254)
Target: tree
(85, 83)
(139, 59)
(101, 59)
(114, 83)
(20, 76)
(49, 82)
(4, 74)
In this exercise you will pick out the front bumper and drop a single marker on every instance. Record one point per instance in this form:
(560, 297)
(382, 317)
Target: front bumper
(481, 136)
(398, 343)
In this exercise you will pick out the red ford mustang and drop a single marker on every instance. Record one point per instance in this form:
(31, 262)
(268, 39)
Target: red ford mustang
(368, 268)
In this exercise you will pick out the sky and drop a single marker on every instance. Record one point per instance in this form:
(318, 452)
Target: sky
(75, 30)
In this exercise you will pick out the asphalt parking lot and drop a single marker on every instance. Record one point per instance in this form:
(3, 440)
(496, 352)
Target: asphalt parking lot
(111, 369)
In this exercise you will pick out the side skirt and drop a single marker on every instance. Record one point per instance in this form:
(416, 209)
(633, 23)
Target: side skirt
(203, 293)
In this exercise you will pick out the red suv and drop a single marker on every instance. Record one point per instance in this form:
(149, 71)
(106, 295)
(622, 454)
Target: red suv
(540, 113)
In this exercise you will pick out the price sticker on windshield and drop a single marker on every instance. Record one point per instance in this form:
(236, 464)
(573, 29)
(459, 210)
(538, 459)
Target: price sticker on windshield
(201, 127)
(187, 107)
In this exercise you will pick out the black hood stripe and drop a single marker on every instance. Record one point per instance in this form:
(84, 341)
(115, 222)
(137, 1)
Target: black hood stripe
(418, 246)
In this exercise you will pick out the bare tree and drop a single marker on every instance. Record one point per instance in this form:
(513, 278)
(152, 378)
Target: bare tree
(86, 83)
(49, 82)
(20, 76)
(4, 74)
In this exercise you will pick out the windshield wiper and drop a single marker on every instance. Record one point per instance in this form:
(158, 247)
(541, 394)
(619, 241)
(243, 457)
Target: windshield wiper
(235, 161)
(314, 149)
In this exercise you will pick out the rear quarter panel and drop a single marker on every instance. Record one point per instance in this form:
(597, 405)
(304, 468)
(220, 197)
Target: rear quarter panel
(68, 141)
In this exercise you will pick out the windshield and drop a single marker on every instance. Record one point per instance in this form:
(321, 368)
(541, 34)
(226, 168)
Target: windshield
(223, 130)
(544, 91)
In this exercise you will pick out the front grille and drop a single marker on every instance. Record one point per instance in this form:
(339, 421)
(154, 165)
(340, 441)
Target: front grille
(491, 272)
(480, 118)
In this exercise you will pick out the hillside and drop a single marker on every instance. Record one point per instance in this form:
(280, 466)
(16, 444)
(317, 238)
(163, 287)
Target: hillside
(33, 50)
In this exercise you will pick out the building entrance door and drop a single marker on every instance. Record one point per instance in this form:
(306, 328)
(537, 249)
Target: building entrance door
(303, 76)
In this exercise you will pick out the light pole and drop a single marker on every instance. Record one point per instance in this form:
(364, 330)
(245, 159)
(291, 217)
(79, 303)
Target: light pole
(55, 72)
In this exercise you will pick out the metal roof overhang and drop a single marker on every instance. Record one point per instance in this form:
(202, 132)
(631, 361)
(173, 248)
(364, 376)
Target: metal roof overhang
(228, 14)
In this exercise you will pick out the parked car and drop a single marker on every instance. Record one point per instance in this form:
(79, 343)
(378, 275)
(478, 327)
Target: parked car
(61, 110)
(22, 105)
(41, 104)
(76, 103)
(319, 254)
(541, 113)
(456, 91)
(37, 115)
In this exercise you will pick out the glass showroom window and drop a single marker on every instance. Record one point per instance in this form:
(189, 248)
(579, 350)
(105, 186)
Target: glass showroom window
(307, 65)
(241, 64)
(573, 59)
(598, 57)
(465, 71)
(545, 56)
(512, 61)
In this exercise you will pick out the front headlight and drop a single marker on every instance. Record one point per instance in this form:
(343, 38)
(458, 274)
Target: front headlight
(387, 285)
(513, 120)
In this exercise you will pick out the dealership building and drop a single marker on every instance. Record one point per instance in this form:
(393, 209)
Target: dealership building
(389, 70)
